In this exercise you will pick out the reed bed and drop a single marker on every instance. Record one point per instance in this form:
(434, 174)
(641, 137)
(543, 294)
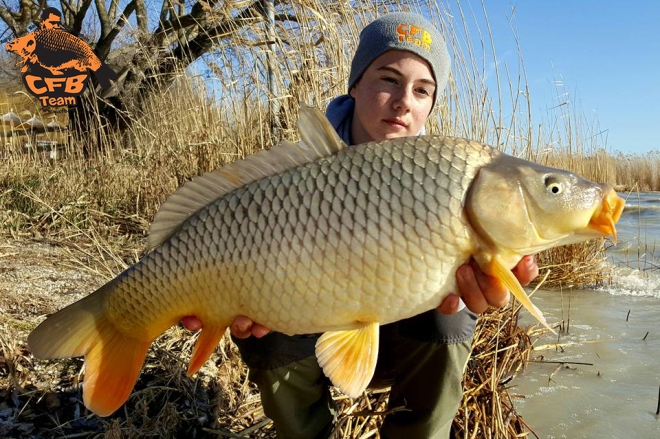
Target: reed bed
(575, 266)
(500, 351)
(638, 173)
(97, 201)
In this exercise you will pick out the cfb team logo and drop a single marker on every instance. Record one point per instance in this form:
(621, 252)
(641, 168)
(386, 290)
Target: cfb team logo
(56, 64)
(415, 35)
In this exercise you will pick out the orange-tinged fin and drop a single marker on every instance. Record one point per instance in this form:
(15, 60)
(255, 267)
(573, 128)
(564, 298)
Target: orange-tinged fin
(208, 339)
(608, 214)
(112, 360)
(497, 269)
(111, 369)
(348, 358)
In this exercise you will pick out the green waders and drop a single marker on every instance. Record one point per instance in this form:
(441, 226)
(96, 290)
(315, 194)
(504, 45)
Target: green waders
(423, 358)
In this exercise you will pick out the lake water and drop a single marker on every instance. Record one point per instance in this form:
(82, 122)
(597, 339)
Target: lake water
(616, 329)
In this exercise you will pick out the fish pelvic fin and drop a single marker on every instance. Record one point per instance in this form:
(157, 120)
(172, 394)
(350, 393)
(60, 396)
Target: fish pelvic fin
(497, 269)
(349, 357)
(209, 338)
(112, 359)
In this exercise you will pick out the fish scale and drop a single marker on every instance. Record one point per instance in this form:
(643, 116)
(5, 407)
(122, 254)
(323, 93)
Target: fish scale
(318, 237)
(350, 243)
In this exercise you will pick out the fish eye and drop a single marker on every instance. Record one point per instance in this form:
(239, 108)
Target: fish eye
(553, 185)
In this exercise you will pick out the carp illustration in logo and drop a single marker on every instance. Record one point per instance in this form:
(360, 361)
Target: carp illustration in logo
(56, 63)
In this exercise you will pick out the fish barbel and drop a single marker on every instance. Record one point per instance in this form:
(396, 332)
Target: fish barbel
(318, 237)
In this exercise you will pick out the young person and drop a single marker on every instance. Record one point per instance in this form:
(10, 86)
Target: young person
(400, 68)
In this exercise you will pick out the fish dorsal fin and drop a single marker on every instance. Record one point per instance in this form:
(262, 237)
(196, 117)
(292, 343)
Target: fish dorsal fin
(349, 358)
(320, 140)
(317, 132)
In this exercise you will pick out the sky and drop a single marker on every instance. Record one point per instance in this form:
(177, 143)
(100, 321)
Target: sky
(604, 53)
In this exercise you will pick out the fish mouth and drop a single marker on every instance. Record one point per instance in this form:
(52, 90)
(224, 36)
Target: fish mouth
(607, 214)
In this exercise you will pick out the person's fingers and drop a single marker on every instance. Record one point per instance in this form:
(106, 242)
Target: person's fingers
(241, 327)
(526, 270)
(259, 330)
(493, 290)
(479, 290)
(191, 323)
(469, 289)
(449, 305)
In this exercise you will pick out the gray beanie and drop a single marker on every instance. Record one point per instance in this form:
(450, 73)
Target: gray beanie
(402, 31)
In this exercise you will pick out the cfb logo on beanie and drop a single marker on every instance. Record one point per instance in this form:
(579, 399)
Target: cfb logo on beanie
(414, 34)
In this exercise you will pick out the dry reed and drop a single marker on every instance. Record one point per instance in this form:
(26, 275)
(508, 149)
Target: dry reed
(500, 351)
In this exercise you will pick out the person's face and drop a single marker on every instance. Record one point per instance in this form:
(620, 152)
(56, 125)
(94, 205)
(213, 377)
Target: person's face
(393, 98)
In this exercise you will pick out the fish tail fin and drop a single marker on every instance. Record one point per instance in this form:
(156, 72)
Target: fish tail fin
(208, 339)
(112, 360)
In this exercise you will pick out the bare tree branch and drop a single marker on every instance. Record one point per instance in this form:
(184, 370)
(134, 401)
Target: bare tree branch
(114, 5)
(104, 43)
(28, 13)
(104, 18)
(141, 17)
(186, 53)
(75, 14)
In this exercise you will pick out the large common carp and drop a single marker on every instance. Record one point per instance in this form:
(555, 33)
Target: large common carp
(318, 237)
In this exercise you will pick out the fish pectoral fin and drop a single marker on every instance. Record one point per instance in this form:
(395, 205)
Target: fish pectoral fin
(349, 357)
(497, 269)
(208, 340)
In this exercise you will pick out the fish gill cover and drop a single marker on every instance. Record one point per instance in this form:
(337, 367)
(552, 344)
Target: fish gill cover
(56, 63)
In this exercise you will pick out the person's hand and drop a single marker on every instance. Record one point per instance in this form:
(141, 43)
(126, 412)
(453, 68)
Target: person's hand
(191, 323)
(241, 327)
(479, 290)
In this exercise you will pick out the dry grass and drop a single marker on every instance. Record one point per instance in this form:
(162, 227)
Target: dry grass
(500, 351)
(636, 173)
(99, 207)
